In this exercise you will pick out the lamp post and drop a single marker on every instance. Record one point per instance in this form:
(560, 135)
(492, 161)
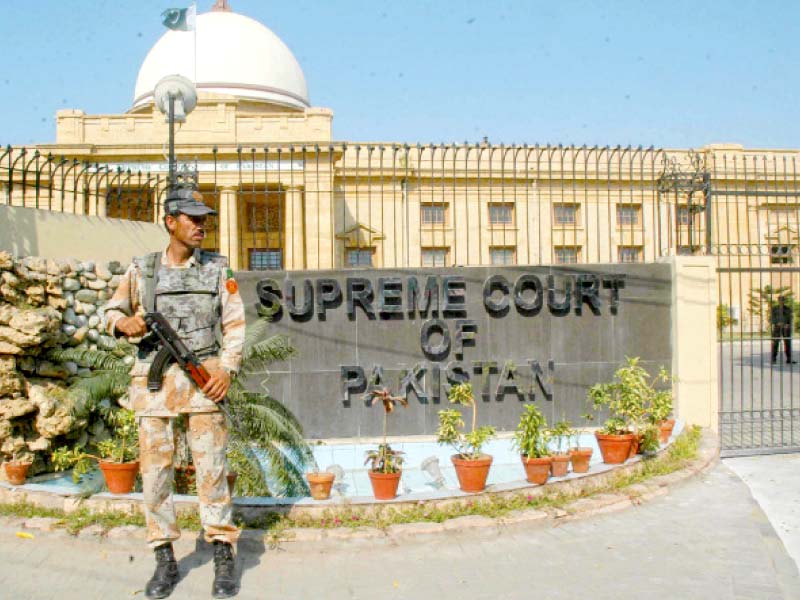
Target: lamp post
(175, 97)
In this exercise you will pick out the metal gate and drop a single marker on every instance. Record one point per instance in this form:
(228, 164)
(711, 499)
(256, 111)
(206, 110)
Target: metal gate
(742, 207)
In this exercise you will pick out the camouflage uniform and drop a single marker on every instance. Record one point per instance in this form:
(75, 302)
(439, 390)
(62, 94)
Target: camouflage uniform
(195, 300)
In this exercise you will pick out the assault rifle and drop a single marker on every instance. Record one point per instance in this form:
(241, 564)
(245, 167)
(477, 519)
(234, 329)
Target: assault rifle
(173, 349)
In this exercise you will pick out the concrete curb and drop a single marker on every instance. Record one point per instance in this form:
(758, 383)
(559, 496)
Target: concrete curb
(633, 495)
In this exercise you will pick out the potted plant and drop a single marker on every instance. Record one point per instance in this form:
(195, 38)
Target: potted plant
(561, 432)
(320, 483)
(116, 456)
(580, 455)
(385, 462)
(472, 466)
(615, 441)
(660, 408)
(529, 440)
(628, 399)
(17, 465)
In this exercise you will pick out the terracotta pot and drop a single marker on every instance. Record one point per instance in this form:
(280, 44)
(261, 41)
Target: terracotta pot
(119, 477)
(614, 448)
(185, 480)
(384, 485)
(537, 470)
(16, 472)
(320, 484)
(560, 465)
(580, 459)
(231, 477)
(665, 430)
(472, 474)
(635, 443)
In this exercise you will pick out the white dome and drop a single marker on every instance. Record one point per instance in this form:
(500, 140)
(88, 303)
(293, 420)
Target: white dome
(236, 55)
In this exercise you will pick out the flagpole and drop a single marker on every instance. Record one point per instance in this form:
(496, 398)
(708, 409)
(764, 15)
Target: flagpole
(194, 6)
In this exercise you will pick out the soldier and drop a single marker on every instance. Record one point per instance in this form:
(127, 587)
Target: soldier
(780, 319)
(196, 293)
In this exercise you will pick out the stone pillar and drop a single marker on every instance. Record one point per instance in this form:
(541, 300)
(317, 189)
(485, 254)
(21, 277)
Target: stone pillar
(229, 239)
(294, 238)
(694, 339)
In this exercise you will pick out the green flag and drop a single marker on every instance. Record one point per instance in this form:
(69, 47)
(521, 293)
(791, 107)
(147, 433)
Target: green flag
(180, 19)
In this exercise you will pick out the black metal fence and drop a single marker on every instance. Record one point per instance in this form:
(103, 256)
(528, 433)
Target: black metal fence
(351, 205)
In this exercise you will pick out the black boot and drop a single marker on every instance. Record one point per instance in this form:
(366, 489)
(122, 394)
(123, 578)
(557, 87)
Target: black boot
(166, 576)
(224, 571)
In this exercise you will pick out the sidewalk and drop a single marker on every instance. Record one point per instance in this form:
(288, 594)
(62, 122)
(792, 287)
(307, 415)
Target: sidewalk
(706, 539)
(774, 481)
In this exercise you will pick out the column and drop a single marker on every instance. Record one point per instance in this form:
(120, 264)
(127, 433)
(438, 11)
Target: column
(229, 239)
(694, 339)
(294, 238)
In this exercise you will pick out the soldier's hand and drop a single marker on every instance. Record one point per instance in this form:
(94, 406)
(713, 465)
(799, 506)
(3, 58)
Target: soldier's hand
(217, 385)
(131, 326)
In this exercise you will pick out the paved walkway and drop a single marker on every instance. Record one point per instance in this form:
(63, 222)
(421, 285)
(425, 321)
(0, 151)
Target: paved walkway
(774, 481)
(707, 539)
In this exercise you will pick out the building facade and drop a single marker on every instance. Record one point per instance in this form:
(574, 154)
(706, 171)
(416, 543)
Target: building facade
(290, 197)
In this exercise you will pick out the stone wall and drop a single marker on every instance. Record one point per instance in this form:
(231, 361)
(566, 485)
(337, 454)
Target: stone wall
(47, 304)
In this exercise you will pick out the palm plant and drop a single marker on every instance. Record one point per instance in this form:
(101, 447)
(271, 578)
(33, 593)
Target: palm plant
(261, 429)
(262, 426)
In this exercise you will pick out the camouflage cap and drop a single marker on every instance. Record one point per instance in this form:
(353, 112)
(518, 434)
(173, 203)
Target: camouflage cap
(186, 201)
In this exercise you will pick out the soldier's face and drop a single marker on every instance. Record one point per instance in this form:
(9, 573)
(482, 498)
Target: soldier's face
(190, 231)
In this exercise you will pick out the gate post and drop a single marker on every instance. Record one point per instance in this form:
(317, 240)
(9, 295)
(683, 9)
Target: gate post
(695, 353)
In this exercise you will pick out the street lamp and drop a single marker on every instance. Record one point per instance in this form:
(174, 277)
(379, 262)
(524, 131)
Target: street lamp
(176, 97)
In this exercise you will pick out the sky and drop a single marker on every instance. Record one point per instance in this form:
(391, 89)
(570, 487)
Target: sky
(676, 74)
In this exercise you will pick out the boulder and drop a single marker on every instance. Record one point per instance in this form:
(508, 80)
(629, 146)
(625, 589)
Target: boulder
(87, 265)
(71, 285)
(17, 338)
(89, 296)
(53, 371)
(69, 316)
(9, 278)
(103, 271)
(9, 294)
(13, 445)
(106, 342)
(16, 407)
(55, 410)
(74, 265)
(6, 312)
(57, 303)
(8, 348)
(54, 289)
(8, 364)
(89, 309)
(97, 284)
(53, 267)
(11, 382)
(35, 263)
(80, 335)
(36, 322)
(116, 267)
(6, 260)
(41, 444)
(93, 335)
